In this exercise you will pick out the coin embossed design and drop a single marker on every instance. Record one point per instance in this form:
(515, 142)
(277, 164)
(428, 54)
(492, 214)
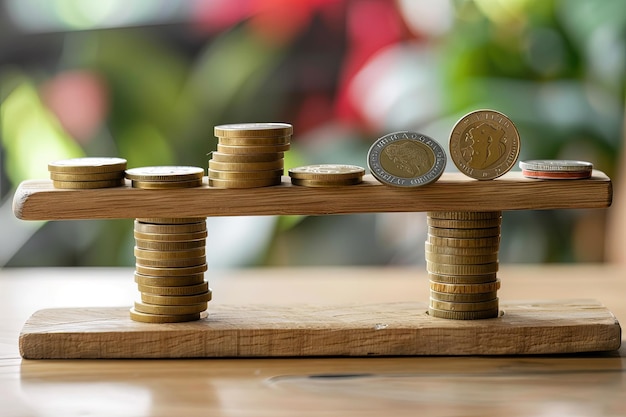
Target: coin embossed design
(484, 144)
(406, 159)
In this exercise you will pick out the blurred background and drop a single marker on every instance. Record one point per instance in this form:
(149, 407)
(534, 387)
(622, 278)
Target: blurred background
(147, 80)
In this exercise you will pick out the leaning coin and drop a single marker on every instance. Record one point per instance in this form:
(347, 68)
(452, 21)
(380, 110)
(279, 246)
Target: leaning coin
(464, 298)
(484, 144)
(176, 300)
(465, 288)
(458, 306)
(463, 315)
(173, 310)
(165, 173)
(162, 318)
(88, 165)
(464, 215)
(489, 278)
(170, 272)
(176, 281)
(327, 172)
(182, 290)
(464, 233)
(406, 159)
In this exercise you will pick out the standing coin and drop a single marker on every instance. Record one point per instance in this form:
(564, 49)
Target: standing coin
(484, 144)
(406, 159)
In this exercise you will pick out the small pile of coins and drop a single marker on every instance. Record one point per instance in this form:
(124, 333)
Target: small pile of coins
(327, 175)
(249, 155)
(554, 169)
(86, 173)
(462, 263)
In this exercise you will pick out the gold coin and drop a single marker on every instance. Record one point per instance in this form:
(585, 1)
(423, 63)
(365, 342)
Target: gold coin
(464, 224)
(162, 318)
(239, 150)
(176, 300)
(245, 175)
(255, 141)
(171, 263)
(79, 185)
(170, 310)
(463, 315)
(101, 176)
(165, 174)
(176, 281)
(315, 183)
(170, 228)
(461, 260)
(170, 246)
(448, 250)
(464, 233)
(253, 129)
(465, 288)
(463, 279)
(167, 255)
(464, 298)
(247, 158)
(155, 271)
(266, 182)
(89, 165)
(171, 220)
(447, 269)
(184, 290)
(170, 237)
(458, 306)
(327, 172)
(246, 166)
(464, 215)
(484, 144)
(464, 243)
(166, 185)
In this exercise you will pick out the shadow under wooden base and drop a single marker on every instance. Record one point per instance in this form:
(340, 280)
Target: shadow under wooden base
(389, 329)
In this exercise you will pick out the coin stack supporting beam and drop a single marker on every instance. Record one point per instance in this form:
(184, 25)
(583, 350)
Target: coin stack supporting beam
(462, 262)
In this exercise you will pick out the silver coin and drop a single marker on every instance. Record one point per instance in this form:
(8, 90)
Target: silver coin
(556, 165)
(406, 159)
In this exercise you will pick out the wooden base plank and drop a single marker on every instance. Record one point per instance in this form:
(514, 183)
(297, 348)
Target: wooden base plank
(389, 329)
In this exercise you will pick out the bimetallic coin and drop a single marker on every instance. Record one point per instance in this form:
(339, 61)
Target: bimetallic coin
(460, 251)
(463, 243)
(265, 182)
(465, 288)
(327, 172)
(460, 260)
(246, 166)
(484, 144)
(245, 175)
(253, 129)
(463, 315)
(162, 318)
(448, 269)
(464, 233)
(171, 271)
(464, 298)
(89, 165)
(166, 185)
(165, 173)
(463, 224)
(246, 158)
(254, 141)
(170, 310)
(176, 300)
(239, 150)
(406, 159)
(84, 185)
(183, 290)
(458, 306)
(489, 278)
(176, 281)
(464, 215)
(558, 165)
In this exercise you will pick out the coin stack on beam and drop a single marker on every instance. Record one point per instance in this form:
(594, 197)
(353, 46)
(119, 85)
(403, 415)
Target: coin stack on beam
(326, 175)
(249, 155)
(556, 169)
(170, 254)
(86, 173)
(462, 263)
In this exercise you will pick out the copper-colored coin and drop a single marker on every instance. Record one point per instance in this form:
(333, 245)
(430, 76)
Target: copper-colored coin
(464, 298)
(463, 315)
(245, 175)
(458, 306)
(461, 260)
(337, 183)
(465, 215)
(89, 165)
(253, 130)
(176, 281)
(464, 224)
(170, 310)
(246, 158)
(464, 243)
(553, 175)
(266, 182)
(101, 176)
(170, 237)
(447, 269)
(327, 172)
(84, 185)
(155, 271)
(465, 288)
(162, 255)
(246, 166)
(484, 144)
(166, 185)
(464, 233)
(171, 220)
(165, 174)
(169, 228)
(171, 263)
(463, 279)
(183, 290)
(162, 318)
(255, 141)
(176, 300)
(170, 246)
(239, 150)
(449, 250)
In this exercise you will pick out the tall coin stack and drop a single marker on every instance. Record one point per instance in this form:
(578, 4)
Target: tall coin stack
(462, 263)
(170, 254)
(249, 155)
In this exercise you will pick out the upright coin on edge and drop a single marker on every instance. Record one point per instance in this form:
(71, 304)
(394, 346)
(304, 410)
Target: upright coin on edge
(484, 144)
(406, 159)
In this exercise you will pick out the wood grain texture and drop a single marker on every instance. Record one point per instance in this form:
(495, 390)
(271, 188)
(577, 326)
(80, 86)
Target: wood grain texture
(38, 200)
(386, 329)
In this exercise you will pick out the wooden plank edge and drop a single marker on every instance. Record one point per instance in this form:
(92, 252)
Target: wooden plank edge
(403, 329)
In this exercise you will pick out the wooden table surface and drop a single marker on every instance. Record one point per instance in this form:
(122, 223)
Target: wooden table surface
(568, 385)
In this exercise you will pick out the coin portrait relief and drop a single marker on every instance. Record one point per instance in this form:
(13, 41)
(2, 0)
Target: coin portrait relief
(483, 146)
(407, 158)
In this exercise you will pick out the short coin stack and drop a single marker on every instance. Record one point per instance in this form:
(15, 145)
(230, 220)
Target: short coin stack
(556, 169)
(170, 254)
(249, 155)
(462, 263)
(326, 175)
(86, 173)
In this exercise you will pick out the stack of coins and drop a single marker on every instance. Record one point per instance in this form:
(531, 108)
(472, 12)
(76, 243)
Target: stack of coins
(326, 175)
(556, 169)
(462, 263)
(249, 155)
(84, 173)
(165, 177)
